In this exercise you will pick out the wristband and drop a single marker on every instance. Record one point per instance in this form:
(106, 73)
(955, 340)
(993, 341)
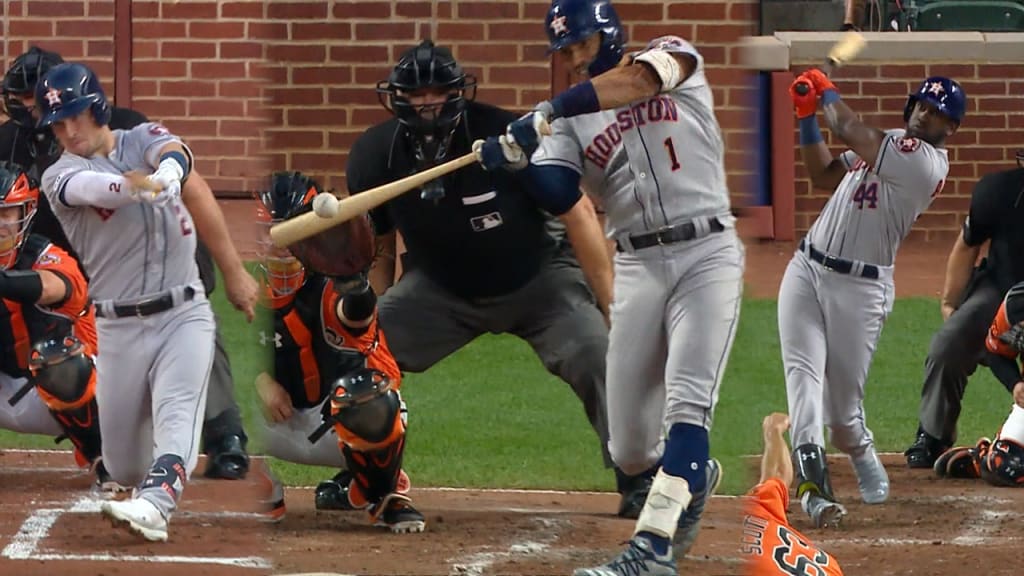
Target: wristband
(580, 99)
(809, 132)
(829, 96)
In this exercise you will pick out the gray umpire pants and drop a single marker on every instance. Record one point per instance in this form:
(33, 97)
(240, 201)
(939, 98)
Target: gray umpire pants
(555, 313)
(953, 356)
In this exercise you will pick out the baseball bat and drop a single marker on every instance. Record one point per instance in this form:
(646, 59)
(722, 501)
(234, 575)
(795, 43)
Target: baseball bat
(843, 51)
(309, 224)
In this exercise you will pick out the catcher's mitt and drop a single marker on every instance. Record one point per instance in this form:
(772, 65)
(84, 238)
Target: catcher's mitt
(1014, 337)
(341, 251)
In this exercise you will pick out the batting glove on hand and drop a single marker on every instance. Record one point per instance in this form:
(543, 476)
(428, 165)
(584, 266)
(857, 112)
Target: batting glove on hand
(497, 152)
(526, 131)
(819, 80)
(171, 191)
(806, 105)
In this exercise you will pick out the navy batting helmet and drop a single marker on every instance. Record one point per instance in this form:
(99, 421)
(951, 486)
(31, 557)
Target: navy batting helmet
(69, 89)
(945, 94)
(21, 79)
(572, 21)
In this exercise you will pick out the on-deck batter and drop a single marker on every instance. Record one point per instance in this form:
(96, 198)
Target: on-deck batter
(641, 136)
(838, 289)
(154, 323)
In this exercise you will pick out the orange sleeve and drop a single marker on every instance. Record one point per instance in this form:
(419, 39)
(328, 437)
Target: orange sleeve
(1000, 325)
(370, 342)
(769, 500)
(56, 260)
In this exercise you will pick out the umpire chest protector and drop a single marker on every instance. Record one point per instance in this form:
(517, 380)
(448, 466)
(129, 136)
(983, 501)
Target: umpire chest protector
(21, 325)
(308, 355)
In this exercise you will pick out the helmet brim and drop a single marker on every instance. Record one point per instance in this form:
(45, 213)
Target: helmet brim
(73, 108)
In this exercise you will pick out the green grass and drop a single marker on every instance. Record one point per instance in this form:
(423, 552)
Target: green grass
(491, 416)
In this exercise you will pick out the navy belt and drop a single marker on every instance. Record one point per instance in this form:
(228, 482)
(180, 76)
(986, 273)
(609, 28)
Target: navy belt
(669, 235)
(840, 265)
(149, 307)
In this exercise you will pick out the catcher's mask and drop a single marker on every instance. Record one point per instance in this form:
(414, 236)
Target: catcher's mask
(61, 368)
(18, 87)
(19, 197)
(367, 410)
(427, 91)
(289, 194)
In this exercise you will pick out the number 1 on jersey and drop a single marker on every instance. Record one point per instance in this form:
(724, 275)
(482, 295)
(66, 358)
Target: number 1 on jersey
(672, 153)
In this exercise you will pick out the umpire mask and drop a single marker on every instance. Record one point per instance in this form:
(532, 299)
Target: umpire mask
(427, 91)
(19, 83)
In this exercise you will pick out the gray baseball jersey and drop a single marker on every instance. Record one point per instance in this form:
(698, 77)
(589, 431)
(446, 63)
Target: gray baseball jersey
(138, 249)
(653, 163)
(152, 370)
(873, 208)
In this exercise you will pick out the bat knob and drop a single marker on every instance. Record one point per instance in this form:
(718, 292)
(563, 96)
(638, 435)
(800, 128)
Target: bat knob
(802, 88)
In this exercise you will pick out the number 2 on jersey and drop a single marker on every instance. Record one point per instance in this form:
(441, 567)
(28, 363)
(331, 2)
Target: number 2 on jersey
(672, 153)
(866, 192)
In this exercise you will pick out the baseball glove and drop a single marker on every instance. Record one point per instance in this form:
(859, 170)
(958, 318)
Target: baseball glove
(1014, 337)
(342, 251)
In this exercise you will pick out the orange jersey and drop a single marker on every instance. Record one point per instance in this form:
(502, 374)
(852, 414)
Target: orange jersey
(774, 548)
(313, 348)
(22, 325)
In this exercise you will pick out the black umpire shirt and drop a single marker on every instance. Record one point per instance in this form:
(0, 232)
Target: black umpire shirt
(486, 237)
(997, 214)
(14, 147)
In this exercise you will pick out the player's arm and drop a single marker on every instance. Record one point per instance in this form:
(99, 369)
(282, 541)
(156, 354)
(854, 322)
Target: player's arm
(959, 266)
(355, 308)
(382, 273)
(847, 126)
(274, 399)
(824, 171)
(646, 75)
(77, 188)
(54, 281)
(776, 461)
(588, 242)
(239, 286)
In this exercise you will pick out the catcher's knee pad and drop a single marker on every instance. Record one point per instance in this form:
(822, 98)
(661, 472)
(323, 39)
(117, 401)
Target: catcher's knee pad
(65, 379)
(812, 471)
(375, 474)
(1002, 464)
(367, 411)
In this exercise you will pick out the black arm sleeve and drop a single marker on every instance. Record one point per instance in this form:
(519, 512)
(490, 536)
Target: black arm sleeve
(1004, 369)
(358, 307)
(25, 286)
(984, 212)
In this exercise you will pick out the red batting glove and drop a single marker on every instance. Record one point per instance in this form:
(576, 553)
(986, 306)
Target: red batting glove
(804, 104)
(820, 81)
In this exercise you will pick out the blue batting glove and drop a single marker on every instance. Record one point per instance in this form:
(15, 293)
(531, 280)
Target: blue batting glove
(496, 152)
(526, 131)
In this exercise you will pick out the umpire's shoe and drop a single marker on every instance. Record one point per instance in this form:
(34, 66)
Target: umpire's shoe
(639, 559)
(227, 458)
(925, 450)
(689, 520)
(396, 513)
(633, 491)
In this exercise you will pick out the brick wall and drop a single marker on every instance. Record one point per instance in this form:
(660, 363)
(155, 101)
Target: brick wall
(987, 141)
(197, 66)
(335, 52)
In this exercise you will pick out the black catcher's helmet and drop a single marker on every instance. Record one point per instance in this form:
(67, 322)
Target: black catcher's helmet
(69, 89)
(21, 79)
(288, 195)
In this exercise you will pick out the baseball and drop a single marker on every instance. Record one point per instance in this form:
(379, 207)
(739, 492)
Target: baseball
(325, 205)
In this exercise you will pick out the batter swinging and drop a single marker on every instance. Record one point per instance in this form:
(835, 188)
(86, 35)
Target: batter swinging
(154, 323)
(838, 289)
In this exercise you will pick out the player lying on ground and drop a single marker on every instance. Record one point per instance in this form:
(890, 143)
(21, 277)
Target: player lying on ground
(771, 545)
(1000, 463)
(838, 288)
(48, 331)
(335, 383)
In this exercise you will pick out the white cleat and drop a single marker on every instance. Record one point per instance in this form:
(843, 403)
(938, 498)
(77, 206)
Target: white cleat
(139, 516)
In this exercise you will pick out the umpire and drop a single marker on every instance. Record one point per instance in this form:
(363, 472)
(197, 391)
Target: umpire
(483, 255)
(35, 150)
(970, 298)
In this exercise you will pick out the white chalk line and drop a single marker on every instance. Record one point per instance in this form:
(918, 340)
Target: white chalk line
(36, 528)
(477, 563)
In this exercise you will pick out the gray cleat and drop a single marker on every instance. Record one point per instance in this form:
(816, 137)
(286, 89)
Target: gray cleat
(689, 520)
(639, 559)
(872, 480)
(823, 512)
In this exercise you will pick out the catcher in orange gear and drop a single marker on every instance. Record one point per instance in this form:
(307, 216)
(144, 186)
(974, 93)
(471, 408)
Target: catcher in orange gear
(47, 333)
(333, 371)
(770, 544)
(1000, 463)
